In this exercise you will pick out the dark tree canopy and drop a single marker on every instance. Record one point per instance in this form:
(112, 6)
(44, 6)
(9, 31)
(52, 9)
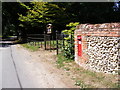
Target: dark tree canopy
(10, 22)
(34, 16)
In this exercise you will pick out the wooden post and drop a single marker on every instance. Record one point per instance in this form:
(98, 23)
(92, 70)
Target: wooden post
(57, 41)
(53, 41)
(41, 43)
(35, 43)
(50, 42)
(45, 40)
(38, 44)
(29, 42)
(32, 43)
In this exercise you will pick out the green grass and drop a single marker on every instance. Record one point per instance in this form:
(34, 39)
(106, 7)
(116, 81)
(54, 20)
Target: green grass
(6, 36)
(96, 78)
(86, 78)
(10, 36)
(53, 43)
(116, 85)
(81, 84)
(30, 47)
(34, 46)
(61, 60)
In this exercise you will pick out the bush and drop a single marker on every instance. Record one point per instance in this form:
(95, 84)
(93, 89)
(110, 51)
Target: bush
(68, 48)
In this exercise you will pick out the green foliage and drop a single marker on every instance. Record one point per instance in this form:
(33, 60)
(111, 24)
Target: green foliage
(29, 47)
(32, 16)
(35, 14)
(115, 85)
(39, 14)
(61, 60)
(68, 48)
(10, 22)
(80, 83)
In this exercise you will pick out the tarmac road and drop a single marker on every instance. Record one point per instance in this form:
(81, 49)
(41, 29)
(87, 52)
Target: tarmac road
(10, 78)
(20, 71)
(14, 73)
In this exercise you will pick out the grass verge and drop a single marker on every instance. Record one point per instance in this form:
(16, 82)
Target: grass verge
(61, 60)
(49, 44)
(86, 78)
(30, 47)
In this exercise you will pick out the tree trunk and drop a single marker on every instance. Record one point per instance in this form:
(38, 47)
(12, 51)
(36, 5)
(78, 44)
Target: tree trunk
(22, 35)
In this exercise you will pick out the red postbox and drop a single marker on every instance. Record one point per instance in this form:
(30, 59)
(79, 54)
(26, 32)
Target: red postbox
(79, 38)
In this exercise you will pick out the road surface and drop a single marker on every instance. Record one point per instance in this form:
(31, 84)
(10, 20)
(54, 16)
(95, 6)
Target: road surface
(19, 70)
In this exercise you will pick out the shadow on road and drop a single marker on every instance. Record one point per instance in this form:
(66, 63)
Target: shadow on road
(7, 42)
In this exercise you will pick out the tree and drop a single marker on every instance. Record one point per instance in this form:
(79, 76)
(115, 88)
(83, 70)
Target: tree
(32, 17)
(68, 48)
(39, 14)
(10, 22)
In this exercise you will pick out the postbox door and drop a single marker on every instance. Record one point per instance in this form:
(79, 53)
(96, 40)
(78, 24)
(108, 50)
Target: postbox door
(79, 45)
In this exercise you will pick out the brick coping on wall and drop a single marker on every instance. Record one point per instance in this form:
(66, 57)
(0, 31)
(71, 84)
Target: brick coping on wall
(106, 29)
